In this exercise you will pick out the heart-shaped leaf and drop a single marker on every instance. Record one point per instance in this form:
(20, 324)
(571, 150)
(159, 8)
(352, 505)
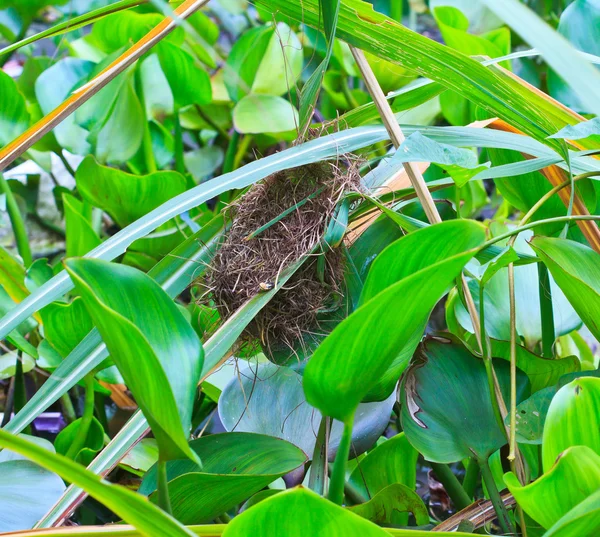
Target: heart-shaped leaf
(160, 357)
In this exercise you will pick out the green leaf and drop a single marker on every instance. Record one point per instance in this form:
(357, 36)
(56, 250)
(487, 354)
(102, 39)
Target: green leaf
(454, 423)
(389, 504)
(124, 196)
(8, 364)
(575, 404)
(574, 477)
(189, 83)
(580, 130)
(235, 466)
(122, 302)
(352, 359)
(204, 161)
(583, 519)
(300, 512)
(256, 114)
(26, 493)
(14, 117)
(81, 237)
(576, 270)
(582, 76)
(132, 508)
(276, 391)
(93, 442)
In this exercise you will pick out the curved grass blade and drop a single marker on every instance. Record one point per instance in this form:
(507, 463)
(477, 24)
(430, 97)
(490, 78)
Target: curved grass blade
(74, 23)
(131, 507)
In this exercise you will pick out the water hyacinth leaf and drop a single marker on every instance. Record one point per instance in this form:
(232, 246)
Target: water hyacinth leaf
(452, 424)
(575, 403)
(550, 497)
(14, 117)
(122, 301)
(390, 504)
(131, 507)
(80, 235)
(298, 512)
(583, 519)
(576, 270)
(8, 364)
(93, 443)
(26, 493)
(124, 196)
(268, 399)
(235, 466)
(256, 113)
(352, 359)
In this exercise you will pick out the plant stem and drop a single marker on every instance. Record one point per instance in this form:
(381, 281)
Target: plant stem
(471, 475)
(241, 150)
(338, 476)
(86, 418)
(212, 123)
(318, 470)
(67, 408)
(66, 164)
(513, 362)
(18, 225)
(546, 309)
(488, 479)
(229, 159)
(164, 501)
(179, 161)
(452, 485)
(147, 149)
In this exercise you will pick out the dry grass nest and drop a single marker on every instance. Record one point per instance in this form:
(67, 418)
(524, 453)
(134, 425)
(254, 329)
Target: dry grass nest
(245, 266)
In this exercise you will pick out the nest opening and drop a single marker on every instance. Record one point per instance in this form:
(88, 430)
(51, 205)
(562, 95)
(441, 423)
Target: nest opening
(249, 263)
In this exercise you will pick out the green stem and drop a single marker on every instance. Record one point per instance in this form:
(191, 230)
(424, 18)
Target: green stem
(86, 418)
(396, 10)
(18, 225)
(471, 475)
(501, 513)
(67, 408)
(20, 393)
(149, 159)
(210, 121)
(338, 476)
(164, 501)
(66, 164)
(513, 362)
(241, 150)
(179, 161)
(230, 153)
(348, 94)
(21, 35)
(318, 468)
(546, 309)
(452, 485)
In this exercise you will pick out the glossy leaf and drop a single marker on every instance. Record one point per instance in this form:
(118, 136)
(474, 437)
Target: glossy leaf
(576, 270)
(122, 302)
(81, 237)
(14, 117)
(454, 423)
(235, 466)
(574, 477)
(352, 359)
(575, 404)
(255, 114)
(151, 521)
(583, 519)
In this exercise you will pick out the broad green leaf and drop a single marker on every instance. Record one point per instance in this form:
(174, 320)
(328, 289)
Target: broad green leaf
(14, 117)
(12, 276)
(583, 519)
(574, 477)
(576, 270)
(351, 360)
(141, 457)
(572, 412)
(81, 237)
(579, 25)
(582, 76)
(268, 399)
(132, 508)
(158, 96)
(52, 87)
(122, 303)
(235, 466)
(454, 423)
(300, 512)
(257, 113)
(189, 83)
(66, 324)
(389, 504)
(121, 135)
(204, 161)
(8, 364)
(26, 493)
(92, 444)
(124, 196)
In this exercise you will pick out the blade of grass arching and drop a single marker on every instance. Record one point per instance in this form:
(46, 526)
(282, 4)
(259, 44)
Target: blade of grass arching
(318, 149)
(174, 273)
(556, 50)
(150, 520)
(74, 23)
(24, 142)
(360, 26)
(215, 349)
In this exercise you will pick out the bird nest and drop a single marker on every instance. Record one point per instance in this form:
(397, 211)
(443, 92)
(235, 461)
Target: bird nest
(260, 245)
